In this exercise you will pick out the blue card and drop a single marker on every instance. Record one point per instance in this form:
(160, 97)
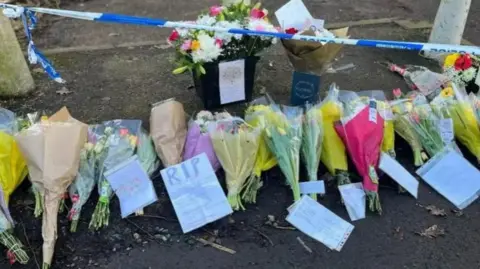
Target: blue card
(304, 88)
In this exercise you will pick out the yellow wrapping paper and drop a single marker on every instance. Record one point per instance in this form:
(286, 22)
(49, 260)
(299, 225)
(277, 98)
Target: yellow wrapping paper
(334, 156)
(13, 168)
(388, 144)
(466, 127)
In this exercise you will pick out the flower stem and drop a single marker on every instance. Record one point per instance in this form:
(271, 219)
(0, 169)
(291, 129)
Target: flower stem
(14, 246)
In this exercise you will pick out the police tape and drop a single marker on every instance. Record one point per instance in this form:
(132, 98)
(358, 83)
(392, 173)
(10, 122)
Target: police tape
(28, 16)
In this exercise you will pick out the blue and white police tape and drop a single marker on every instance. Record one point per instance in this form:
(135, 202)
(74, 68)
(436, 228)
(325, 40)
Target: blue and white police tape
(126, 19)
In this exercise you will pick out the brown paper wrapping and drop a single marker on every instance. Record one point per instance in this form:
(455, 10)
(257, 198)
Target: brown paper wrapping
(168, 129)
(52, 151)
(313, 57)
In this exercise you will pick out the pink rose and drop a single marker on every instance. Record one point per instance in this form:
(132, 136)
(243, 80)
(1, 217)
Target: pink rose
(218, 42)
(257, 13)
(215, 10)
(174, 36)
(397, 93)
(187, 44)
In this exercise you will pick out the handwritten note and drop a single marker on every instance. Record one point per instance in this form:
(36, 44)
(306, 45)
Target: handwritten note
(398, 173)
(453, 177)
(312, 187)
(446, 130)
(232, 81)
(318, 222)
(132, 185)
(355, 200)
(195, 192)
(294, 14)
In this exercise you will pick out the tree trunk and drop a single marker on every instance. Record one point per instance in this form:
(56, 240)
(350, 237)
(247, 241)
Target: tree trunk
(15, 76)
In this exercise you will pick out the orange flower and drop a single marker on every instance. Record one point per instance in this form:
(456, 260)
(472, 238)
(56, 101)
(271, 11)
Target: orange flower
(195, 45)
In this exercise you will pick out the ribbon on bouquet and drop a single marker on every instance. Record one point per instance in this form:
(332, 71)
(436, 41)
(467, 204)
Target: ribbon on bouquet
(13, 11)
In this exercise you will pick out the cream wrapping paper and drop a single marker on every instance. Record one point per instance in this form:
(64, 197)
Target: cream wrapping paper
(52, 151)
(313, 57)
(168, 129)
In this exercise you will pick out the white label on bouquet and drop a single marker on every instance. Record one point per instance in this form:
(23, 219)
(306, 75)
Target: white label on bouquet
(195, 192)
(372, 112)
(294, 14)
(398, 173)
(318, 222)
(355, 200)
(132, 186)
(446, 130)
(232, 81)
(312, 187)
(453, 177)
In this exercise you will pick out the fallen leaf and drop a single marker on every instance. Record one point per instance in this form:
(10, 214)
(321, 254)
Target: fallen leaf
(432, 232)
(63, 91)
(458, 213)
(38, 70)
(113, 34)
(436, 211)
(106, 99)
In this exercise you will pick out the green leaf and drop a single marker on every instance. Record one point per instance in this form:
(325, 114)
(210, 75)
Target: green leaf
(180, 70)
(202, 70)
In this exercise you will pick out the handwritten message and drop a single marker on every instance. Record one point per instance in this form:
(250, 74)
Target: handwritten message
(132, 186)
(195, 192)
(232, 81)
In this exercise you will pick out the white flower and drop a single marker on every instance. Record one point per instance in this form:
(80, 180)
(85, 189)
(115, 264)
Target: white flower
(206, 20)
(469, 74)
(225, 36)
(222, 115)
(234, 2)
(205, 115)
(262, 25)
(209, 50)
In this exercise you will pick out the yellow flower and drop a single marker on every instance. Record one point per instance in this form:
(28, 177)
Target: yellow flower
(133, 140)
(281, 131)
(450, 60)
(447, 92)
(195, 45)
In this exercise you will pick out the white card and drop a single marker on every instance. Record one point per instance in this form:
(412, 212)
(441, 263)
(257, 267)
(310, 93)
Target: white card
(321, 224)
(195, 192)
(398, 173)
(312, 187)
(477, 80)
(232, 81)
(132, 186)
(355, 200)
(294, 14)
(446, 130)
(453, 177)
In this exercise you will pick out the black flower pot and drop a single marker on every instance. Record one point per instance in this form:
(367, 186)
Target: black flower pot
(208, 88)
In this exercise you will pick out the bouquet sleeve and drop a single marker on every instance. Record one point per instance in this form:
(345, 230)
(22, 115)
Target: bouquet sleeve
(312, 57)
(168, 130)
(13, 168)
(236, 144)
(198, 142)
(52, 151)
(257, 115)
(333, 155)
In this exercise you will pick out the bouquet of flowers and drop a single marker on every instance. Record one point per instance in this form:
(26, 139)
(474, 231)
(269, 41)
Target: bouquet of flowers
(257, 115)
(284, 139)
(362, 128)
(84, 183)
(312, 57)
(13, 168)
(236, 144)
(122, 138)
(462, 70)
(401, 108)
(168, 130)
(196, 47)
(454, 105)
(312, 141)
(420, 78)
(198, 140)
(425, 123)
(146, 156)
(333, 155)
(15, 250)
(52, 152)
